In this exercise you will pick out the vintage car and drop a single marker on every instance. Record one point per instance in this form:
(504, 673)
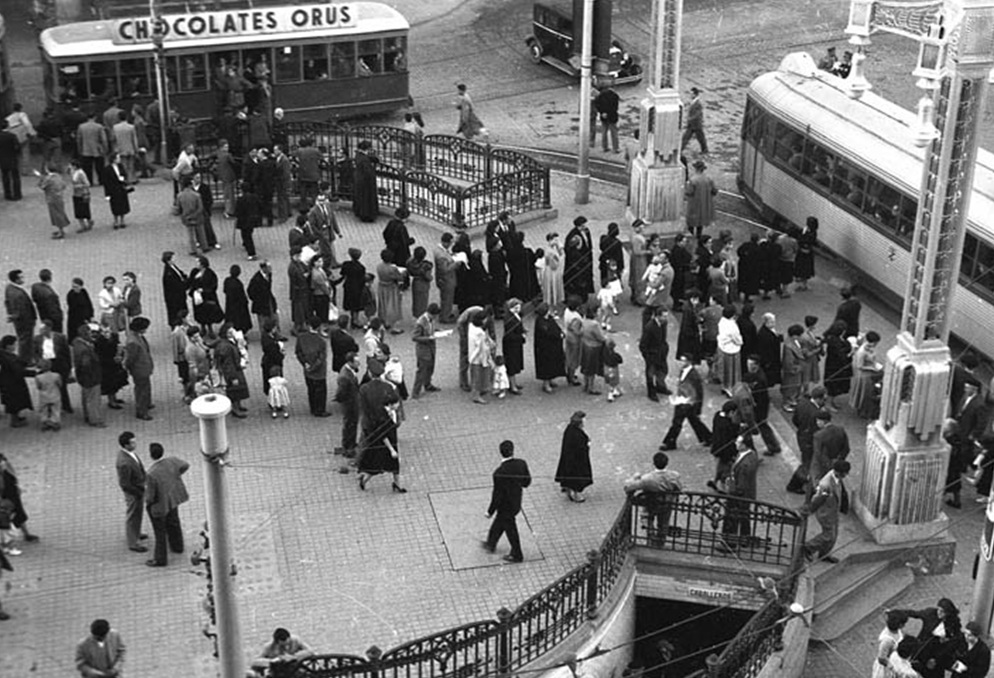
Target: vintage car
(554, 42)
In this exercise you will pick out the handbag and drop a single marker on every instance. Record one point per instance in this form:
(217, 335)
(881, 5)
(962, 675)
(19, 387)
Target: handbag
(333, 313)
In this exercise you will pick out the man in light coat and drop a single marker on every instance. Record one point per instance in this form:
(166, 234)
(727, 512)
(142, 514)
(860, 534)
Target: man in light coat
(126, 143)
(830, 499)
(92, 146)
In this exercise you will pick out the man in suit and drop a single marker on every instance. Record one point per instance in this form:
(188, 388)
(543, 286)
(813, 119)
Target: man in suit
(831, 443)
(510, 479)
(805, 421)
(423, 336)
(755, 378)
(830, 499)
(260, 293)
(962, 369)
(92, 146)
(20, 312)
(654, 350)
(89, 376)
(300, 290)
(972, 414)
(138, 363)
(324, 225)
(347, 396)
(227, 174)
(191, 213)
(655, 490)
(10, 160)
(688, 403)
(46, 300)
(131, 479)
(126, 144)
(312, 352)
(740, 486)
(54, 347)
(164, 492)
(100, 654)
(445, 278)
(309, 161)
(341, 343)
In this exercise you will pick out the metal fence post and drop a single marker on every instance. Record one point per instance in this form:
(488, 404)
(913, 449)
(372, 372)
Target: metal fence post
(546, 189)
(504, 643)
(594, 559)
(373, 655)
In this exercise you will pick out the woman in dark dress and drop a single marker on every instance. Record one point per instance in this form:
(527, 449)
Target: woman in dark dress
(236, 306)
(116, 189)
(354, 277)
(611, 250)
(689, 340)
(573, 473)
(228, 361)
(203, 290)
(273, 352)
(521, 268)
(477, 287)
(513, 344)
(749, 267)
(113, 375)
(13, 382)
(550, 357)
(397, 238)
(419, 269)
(378, 405)
(702, 261)
(681, 261)
(748, 330)
(365, 201)
(174, 287)
(804, 262)
(79, 308)
(462, 245)
(838, 361)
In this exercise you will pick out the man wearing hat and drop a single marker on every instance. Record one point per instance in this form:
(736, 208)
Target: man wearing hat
(700, 191)
(578, 277)
(695, 122)
(138, 363)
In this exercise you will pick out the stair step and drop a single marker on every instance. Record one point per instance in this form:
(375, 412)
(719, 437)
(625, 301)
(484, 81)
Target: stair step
(844, 599)
(835, 582)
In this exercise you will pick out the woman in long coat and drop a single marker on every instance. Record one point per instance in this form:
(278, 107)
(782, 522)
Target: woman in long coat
(513, 344)
(236, 306)
(113, 376)
(174, 287)
(573, 473)
(866, 373)
(228, 361)
(552, 274)
(203, 290)
(116, 189)
(550, 358)
(419, 268)
(79, 308)
(838, 361)
(469, 124)
(389, 278)
(611, 250)
(749, 267)
(354, 276)
(804, 263)
(54, 187)
(689, 341)
(13, 381)
(378, 404)
(639, 259)
(478, 282)
(462, 245)
(592, 340)
(365, 201)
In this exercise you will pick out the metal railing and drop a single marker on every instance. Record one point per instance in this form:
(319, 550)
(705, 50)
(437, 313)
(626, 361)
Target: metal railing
(516, 638)
(445, 178)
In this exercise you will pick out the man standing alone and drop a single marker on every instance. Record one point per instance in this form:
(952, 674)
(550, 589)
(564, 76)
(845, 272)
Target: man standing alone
(312, 352)
(510, 479)
(606, 104)
(164, 492)
(695, 122)
(131, 479)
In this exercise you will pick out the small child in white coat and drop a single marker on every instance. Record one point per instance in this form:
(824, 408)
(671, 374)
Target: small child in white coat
(501, 381)
(607, 296)
(279, 396)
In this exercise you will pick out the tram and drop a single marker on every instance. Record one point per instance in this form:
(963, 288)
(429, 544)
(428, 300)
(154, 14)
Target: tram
(808, 149)
(6, 84)
(321, 61)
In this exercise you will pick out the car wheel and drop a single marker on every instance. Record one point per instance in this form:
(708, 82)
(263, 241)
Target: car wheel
(535, 51)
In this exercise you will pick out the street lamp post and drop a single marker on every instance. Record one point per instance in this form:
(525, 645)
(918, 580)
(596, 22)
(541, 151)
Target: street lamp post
(161, 83)
(904, 467)
(582, 195)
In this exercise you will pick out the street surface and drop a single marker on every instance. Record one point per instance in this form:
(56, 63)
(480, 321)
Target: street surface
(345, 569)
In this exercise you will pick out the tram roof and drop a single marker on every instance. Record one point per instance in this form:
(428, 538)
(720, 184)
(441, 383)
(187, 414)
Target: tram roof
(94, 38)
(871, 132)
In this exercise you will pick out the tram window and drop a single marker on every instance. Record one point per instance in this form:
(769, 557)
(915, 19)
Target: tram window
(785, 139)
(370, 57)
(220, 63)
(755, 119)
(257, 64)
(72, 82)
(288, 64)
(982, 274)
(394, 55)
(909, 211)
(316, 62)
(822, 163)
(134, 77)
(191, 70)
(103, 79)
(342, 60)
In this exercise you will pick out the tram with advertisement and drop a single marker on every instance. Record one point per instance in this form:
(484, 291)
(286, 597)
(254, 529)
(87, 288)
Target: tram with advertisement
(321, 61)
(809, 149)
(6, 84)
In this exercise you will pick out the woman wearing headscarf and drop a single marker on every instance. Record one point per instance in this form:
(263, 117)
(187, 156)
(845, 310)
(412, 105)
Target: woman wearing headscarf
(236, 306)
(54, 187)
(550, 358)
(573, 473)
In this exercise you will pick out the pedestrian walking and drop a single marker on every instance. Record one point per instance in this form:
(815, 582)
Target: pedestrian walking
(510, 479)
(469, 124)
(54, 187)
(379, 402)
(573, 472)
(830, 499)
(687, 405)
(131, 479)
(164, 492)
(694, 127)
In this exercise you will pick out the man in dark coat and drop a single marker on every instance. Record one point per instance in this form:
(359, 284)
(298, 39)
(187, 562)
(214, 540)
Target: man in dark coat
(174, 288)
(10, 157)
(53, 346)
(14, 392)
(848, 312)
(365, 201)
(578, 277)
(300, 290)
(248, 216)
(312, 352)
(962, 371)
(769, 348)
(347, 396)
(397, 238)
(805, 422)
(164, 492)
(759, 387)
(138, 362)
(89, 376)
(740, 486)
(573, 472)
(606, 103)
(688, 405)
(266, 186)
(654, 350)
(831, 443)
(20, 312)
(309, 161)
(260, 293)
(342, 344)
(46, 300)
(510, 479)
(681, 260)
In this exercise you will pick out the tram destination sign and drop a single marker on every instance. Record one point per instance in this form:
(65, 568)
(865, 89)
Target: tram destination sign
(291, 19)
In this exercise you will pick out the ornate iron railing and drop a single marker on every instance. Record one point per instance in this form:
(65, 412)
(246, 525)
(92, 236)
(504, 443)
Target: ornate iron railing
(514, 639)
(715, 525)
(445, 178)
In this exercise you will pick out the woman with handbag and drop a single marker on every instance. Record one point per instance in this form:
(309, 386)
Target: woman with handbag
(228, 361)
(203, 291)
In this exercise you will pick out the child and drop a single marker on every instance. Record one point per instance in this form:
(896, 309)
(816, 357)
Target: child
(279, 397)
(393, 372)
(608, 295)
(611, 359)
(49, 396)
(501, 381)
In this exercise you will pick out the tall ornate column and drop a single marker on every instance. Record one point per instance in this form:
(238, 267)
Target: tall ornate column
(657, 177)
(904, 472)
